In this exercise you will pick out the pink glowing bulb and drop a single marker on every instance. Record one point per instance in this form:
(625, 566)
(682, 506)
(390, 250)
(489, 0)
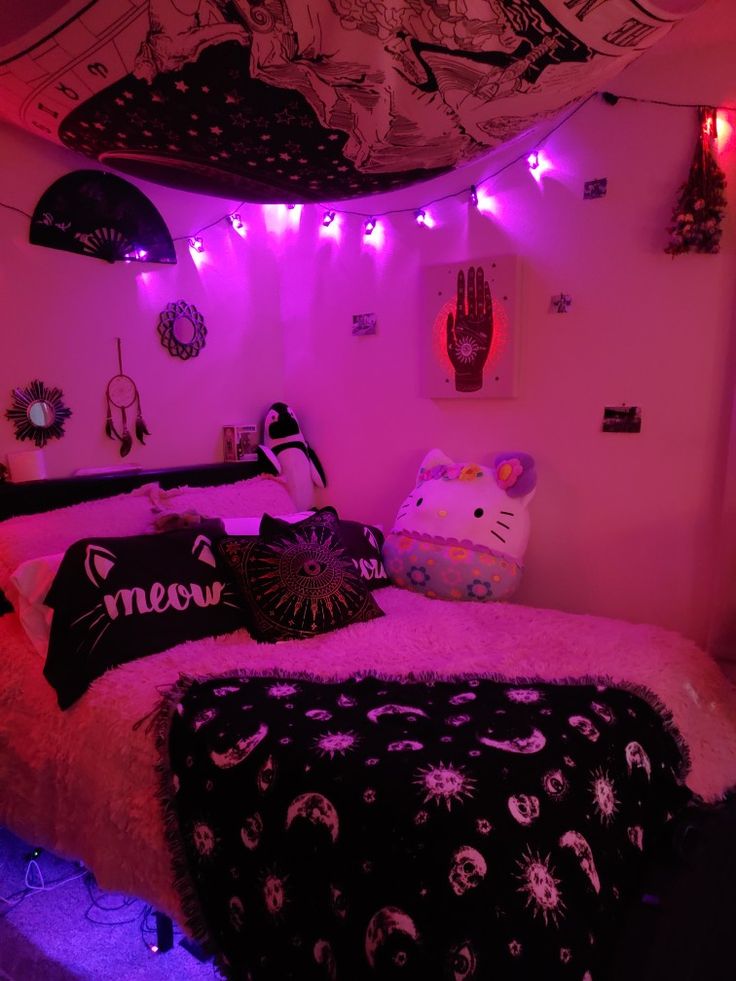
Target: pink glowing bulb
(196, 244)
(370, 225)
(329, 217)
(533, 160)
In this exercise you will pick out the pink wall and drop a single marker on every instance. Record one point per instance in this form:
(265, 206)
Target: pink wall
(622, 525)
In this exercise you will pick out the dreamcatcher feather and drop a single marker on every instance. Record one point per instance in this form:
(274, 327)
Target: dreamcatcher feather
(122, 395)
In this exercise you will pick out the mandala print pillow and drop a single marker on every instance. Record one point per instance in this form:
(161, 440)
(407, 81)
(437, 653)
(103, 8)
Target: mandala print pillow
(298, 580)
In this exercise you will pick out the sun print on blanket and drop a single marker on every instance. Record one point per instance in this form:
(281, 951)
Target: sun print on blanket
(509, 861)
(444, 784)
(541, 887)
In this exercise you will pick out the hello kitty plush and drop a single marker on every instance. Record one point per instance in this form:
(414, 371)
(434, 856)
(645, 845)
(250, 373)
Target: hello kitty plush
(462, 532)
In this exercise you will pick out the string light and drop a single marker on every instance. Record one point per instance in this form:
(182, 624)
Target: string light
(478, 198)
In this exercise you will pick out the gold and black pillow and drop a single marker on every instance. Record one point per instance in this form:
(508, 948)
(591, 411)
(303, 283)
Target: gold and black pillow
(298, 580)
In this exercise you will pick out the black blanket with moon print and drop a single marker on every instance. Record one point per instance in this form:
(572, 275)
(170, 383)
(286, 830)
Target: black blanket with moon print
(449, 830)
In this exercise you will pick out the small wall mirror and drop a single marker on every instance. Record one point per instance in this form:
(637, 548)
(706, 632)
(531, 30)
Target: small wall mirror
(182, 330)
(38, 413)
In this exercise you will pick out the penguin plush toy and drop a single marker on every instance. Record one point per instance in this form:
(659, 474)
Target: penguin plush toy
(286, 451)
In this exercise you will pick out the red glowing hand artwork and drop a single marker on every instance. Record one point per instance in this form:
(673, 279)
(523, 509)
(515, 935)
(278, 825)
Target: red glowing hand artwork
(470, 332)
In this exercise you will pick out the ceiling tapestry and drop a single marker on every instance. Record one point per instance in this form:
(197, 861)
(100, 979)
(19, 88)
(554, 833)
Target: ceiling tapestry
(299, 100)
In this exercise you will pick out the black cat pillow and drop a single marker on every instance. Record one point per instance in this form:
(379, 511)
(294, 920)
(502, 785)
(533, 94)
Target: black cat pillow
(118, 599)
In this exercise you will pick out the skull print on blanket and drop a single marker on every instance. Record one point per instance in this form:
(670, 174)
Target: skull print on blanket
(375, 829)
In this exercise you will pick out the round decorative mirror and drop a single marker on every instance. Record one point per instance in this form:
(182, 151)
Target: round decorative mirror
(38, 413)
(182, 330)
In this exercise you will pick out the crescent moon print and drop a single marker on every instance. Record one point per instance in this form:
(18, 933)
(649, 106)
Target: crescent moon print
(364, 847)
(240, 751)
(533, 743)
(386, 924)
(316, 809)
(584, 854)
(324, 956)
(251, 831)
(404, 745)
(375, 714)
(585, 727)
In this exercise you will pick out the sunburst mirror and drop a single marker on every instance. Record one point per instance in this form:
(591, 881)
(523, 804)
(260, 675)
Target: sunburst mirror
(182, 330)
(38, 413)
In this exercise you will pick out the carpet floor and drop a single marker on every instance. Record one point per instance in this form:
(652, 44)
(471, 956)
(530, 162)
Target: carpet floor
(75, 932)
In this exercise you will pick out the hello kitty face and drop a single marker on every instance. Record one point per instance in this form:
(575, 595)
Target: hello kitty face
(472, 505)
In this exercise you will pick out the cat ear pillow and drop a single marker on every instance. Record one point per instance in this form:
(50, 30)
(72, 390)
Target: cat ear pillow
(462, 532)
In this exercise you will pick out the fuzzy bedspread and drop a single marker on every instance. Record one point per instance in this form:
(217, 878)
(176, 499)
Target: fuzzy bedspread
(83, 783)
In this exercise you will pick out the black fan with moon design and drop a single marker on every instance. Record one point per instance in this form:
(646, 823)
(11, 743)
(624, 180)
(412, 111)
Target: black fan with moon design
(98, 214)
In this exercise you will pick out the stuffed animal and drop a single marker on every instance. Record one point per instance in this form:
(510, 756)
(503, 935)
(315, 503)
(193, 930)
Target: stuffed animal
(463, 530)
(286, 450)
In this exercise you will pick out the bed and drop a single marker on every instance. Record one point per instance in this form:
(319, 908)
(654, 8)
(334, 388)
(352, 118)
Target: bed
(87, 783)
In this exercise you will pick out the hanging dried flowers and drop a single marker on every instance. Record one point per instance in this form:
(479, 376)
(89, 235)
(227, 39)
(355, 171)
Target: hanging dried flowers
(696, 220)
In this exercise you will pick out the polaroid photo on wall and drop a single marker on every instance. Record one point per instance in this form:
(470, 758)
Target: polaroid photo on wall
(229, 454)
(246, 442)
(364, 323)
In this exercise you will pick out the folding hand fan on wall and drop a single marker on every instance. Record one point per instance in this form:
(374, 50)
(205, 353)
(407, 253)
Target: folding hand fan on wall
(122, 395)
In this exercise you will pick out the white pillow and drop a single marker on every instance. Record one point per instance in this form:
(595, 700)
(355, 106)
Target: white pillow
(27, 590)
(252, 525)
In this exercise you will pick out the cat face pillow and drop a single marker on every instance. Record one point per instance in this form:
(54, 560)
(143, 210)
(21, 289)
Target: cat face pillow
(463, 530)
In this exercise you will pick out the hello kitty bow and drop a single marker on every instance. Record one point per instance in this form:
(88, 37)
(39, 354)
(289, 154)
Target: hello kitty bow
(515, 473)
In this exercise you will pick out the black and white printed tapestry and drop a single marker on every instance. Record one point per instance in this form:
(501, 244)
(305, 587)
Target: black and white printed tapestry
(307, 100)
(374, 829)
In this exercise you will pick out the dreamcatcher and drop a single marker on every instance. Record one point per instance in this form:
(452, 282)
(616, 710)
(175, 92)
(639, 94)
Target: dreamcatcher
(122, 394)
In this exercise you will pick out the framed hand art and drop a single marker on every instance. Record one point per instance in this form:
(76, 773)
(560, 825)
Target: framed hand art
(469, 328)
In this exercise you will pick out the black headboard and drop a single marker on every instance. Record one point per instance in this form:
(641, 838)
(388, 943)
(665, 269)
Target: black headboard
(33, 496)
(45, 495)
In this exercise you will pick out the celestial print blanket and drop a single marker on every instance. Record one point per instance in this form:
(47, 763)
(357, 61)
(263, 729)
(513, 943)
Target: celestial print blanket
(394, 829)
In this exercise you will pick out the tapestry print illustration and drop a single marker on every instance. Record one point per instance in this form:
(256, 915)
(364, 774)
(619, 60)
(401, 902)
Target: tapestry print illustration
(303, 99)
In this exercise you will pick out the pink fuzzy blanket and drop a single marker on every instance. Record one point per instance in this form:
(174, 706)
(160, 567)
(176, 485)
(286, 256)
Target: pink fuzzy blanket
(83, 783)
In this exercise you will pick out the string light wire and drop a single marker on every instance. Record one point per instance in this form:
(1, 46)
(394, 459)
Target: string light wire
(610, 97)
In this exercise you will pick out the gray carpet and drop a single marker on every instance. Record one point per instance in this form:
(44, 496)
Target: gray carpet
(51, 936)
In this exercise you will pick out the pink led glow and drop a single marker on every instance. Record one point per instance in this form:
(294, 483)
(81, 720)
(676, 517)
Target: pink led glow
(424, 218)
(197, 252)
(543, 165)
(331, 229)
(725, 131)
(369, 226)
(281, 218)
(487, 203)
(377, 238)
(237, 224)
